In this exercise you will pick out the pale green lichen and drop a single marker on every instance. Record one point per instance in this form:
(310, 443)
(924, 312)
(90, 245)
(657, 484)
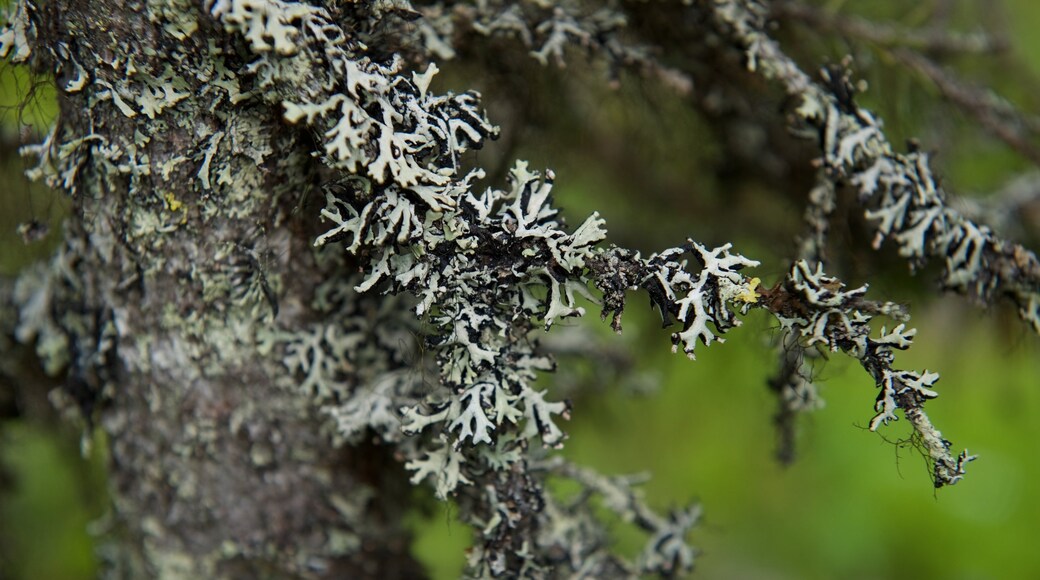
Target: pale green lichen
(15, 34)
(266, 24)
(179, 18)
(35, 292)
(160, 93)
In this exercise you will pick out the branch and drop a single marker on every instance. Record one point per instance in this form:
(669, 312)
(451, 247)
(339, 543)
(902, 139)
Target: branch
(817, 309)
(993, 113)
(483, 270)
(898, 190)
(795, 391)
(547, 30)
(665, 552)
(931, 40)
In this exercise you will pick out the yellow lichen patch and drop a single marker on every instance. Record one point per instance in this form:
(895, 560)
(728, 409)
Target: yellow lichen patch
(175, 205)
(172, 202)
(749, 295)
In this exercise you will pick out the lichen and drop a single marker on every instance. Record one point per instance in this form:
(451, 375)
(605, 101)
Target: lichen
(16, 32)
(479, 267)
(429, 290)
(819, 310)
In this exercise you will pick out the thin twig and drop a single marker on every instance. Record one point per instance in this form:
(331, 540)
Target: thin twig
(931, 40)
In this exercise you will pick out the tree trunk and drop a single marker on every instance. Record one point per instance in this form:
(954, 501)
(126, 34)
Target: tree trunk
(181, 259)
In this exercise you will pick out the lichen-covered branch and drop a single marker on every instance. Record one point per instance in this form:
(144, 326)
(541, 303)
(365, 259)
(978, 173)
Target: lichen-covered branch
(665, 552)
(819, 310)
(902, 197)
(485, 270)
(795, 392)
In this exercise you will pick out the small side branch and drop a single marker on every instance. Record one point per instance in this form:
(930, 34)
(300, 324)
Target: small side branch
(931, 40)
(816, 309)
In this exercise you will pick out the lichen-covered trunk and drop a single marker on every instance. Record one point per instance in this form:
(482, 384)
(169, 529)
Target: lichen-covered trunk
(181, 260)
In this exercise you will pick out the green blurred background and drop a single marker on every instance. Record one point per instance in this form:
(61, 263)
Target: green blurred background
(855, 504)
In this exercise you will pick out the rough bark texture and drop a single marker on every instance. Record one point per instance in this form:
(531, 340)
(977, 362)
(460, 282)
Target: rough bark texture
(169, 281)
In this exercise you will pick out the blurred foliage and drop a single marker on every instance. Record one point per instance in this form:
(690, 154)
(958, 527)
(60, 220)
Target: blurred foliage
(55, 495)
(854, 505)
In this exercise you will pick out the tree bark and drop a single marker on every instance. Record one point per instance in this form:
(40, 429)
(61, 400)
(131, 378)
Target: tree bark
(181, 259)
